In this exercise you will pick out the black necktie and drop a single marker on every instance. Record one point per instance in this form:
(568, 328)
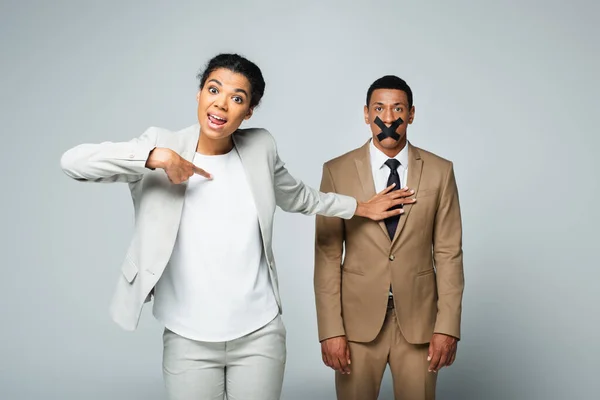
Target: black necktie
(392, 222)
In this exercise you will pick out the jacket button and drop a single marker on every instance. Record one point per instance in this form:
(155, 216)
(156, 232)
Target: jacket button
(392, 257)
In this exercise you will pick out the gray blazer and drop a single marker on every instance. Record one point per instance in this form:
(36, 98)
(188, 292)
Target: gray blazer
(158, 203)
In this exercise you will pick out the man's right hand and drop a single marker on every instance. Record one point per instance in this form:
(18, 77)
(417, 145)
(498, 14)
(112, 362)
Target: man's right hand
(178, 169)
(336, 354)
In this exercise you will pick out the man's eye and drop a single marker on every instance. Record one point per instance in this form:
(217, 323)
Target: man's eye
(238, 99)
(398, 109)
(378, 108)
(213, 90)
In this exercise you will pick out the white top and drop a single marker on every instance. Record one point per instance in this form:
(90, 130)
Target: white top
(216, 286)
(381, 172)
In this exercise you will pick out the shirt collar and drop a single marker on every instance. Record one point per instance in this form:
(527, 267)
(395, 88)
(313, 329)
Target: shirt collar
(378, 159)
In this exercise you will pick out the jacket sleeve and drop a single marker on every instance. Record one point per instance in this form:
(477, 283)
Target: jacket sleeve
(329, 245)
(110, 161)
(292, 195)
(448, 259)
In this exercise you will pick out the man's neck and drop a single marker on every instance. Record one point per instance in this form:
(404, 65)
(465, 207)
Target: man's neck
(393, 152)
(212, 147)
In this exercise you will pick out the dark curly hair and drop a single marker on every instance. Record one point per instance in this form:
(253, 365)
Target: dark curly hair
(240, 65)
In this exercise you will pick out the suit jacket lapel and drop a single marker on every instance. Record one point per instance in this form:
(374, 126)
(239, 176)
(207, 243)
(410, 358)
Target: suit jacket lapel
(415, 167)
(188, 145)
(254, 177)
(365, 175)
(190, 142)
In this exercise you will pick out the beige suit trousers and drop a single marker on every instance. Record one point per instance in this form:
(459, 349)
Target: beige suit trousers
(408, 363)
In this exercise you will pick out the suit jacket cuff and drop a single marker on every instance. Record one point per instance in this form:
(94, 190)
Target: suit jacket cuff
(136, 156)
(450, 329)
(330, 327)
(332, 334)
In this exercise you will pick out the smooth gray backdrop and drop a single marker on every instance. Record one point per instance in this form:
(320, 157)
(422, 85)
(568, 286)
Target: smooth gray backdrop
(507, 90)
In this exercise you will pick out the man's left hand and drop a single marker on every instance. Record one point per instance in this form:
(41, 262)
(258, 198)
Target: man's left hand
(442, 351)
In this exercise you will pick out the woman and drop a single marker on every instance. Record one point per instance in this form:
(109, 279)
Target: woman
(204, 200)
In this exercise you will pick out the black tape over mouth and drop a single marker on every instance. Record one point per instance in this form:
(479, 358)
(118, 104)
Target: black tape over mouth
(388, 131)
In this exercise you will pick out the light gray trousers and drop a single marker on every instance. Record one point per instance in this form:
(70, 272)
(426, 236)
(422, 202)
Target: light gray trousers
(248, 368)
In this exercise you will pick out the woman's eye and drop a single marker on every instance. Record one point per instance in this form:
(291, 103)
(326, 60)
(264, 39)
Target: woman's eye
(238, 99)
(213, 90)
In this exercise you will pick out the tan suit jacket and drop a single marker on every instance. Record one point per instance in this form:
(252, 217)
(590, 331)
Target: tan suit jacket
(356, 261)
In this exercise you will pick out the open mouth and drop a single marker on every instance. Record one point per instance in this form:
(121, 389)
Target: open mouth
(215, 121)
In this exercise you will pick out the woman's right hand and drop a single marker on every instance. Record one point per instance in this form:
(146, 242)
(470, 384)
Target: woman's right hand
(178, 169)
(383, 204)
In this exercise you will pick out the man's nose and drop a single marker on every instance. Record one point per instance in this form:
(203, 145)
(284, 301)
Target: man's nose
(387, 117)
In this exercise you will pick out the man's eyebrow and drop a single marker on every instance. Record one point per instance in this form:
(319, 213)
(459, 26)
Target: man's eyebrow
(395, 104)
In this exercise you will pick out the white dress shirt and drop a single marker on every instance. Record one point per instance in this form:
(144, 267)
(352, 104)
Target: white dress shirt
(381, 172)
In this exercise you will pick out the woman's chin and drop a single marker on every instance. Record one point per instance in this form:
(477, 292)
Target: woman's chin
(215, 134)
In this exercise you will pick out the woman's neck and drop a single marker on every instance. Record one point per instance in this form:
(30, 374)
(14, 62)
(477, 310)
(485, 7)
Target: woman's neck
(214, 147)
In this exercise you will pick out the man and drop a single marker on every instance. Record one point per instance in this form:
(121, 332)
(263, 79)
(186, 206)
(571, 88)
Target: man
(202, 240)
(390, 292)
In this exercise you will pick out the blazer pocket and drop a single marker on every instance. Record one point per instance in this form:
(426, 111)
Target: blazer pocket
(426, 272)
(129, 269)
(352, 271)
(427, 192)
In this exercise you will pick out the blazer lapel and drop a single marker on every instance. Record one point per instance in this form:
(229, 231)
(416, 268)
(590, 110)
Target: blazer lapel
(190, 142)
(415, 167)
(255, 179)
(363, 168)
(188, 146)
(365, 175)
(184, 143)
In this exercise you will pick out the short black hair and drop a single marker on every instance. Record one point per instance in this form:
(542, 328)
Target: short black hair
(238, 64)
(390, 82)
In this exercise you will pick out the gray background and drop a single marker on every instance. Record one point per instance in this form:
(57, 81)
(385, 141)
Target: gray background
(504, 89)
